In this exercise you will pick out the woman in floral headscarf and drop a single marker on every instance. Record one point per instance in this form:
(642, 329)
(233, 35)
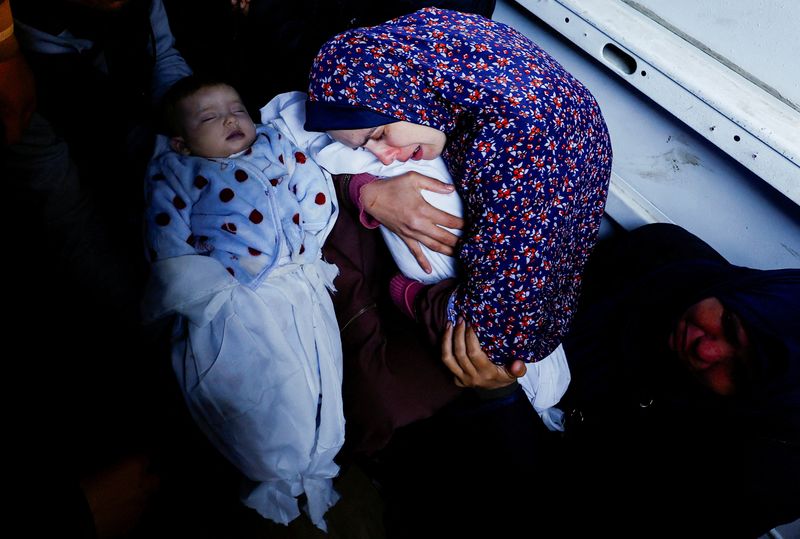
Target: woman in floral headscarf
(525, 143)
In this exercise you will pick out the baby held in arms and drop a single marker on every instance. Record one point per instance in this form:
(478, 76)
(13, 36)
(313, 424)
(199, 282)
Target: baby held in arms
(337, 158)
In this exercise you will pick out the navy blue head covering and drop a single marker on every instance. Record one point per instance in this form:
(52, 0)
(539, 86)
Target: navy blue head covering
(323, 116)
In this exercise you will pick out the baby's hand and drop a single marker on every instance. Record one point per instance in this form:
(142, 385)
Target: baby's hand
(241, 5)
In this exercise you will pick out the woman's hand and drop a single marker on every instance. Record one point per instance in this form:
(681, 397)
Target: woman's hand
(462, 354)
(399, 206)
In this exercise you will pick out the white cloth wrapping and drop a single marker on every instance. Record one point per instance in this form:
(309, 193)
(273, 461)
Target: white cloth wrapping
(545, 381)
(337, 158)
(261, 370)
(254, 367)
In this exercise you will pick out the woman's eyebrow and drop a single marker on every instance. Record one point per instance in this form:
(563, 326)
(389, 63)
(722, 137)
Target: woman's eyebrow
(368, 136)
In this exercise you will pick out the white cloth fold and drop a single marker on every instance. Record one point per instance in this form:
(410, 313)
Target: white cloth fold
(545, 382)
(197, 299)
(261, 372)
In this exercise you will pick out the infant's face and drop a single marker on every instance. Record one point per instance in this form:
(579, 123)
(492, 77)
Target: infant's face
(216, 123)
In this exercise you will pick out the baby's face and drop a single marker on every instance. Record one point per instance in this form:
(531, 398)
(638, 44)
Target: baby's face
(215, 123)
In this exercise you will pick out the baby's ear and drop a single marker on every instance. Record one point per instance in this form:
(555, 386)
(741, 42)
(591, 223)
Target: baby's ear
(179, 145)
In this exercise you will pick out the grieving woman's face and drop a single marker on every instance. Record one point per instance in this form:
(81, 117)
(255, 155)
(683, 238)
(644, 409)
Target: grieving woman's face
(711, 342)
(398, 141)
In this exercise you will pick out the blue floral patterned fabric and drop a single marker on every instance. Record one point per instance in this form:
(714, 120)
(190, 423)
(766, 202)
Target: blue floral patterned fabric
(526, 145)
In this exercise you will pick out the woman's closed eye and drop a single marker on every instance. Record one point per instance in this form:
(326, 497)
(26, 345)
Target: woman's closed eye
(377, 134)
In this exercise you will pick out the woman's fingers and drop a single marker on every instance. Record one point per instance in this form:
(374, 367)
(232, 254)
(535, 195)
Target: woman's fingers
(433, 241)
(399, 206)
(454, 355)
(433, 237)
(419, 255)
(427, 228)
(473, 345)
(241, 5)
(460, 351)
(437, 219)
(447, 355)
(463, 356)
(488, 375)
(440, 217)
(432, 184)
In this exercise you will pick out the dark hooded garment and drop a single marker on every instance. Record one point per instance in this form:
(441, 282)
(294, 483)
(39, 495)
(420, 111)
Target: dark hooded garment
(682, 459)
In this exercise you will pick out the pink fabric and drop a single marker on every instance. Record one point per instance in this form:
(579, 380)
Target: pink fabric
(357, 181)
(403, 292)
